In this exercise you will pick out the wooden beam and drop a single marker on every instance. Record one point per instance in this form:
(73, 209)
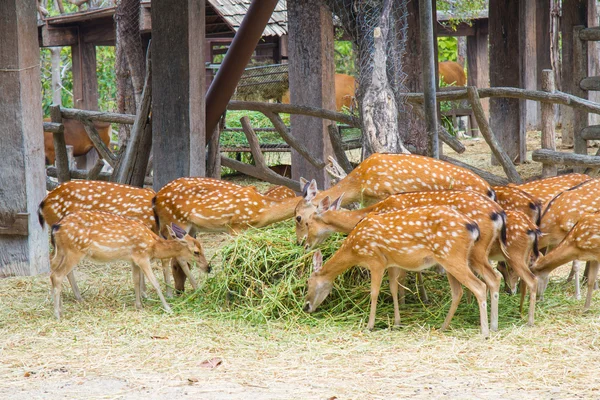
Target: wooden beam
(507, 116)
(22, 153)
(590, 83)
(52, 36)
(571, 159)
(591, 34)
(591, 132)
(580, 71)
(311, 76)
(462, 29)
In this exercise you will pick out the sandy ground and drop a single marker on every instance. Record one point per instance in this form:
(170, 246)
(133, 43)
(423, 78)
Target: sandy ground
(105, 349)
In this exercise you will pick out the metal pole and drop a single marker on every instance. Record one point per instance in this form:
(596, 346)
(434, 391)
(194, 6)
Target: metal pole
(237, 57)
(428, 54)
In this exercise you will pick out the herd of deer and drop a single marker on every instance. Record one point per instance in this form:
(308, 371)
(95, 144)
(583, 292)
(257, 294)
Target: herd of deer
(421, 212)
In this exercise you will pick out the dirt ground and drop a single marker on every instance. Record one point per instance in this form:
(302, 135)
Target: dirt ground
(105, 349)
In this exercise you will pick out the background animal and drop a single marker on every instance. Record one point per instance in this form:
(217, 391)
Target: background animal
(75, 136)
(452, 73)
(345, 87)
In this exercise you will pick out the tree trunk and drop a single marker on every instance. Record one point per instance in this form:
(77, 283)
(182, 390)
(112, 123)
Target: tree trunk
(379, 110)
(56, 78)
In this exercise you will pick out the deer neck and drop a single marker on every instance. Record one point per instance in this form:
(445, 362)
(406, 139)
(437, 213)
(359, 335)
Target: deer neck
(339, 262)
(343, 221)
(277, 210)
(166, 248)
(349, 187)
(562, 254)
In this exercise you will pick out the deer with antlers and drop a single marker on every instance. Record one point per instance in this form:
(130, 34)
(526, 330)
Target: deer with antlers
(561, 214)
(109, 237)
(488, 215)
(582, 242)
(382, 175)
(412, 239)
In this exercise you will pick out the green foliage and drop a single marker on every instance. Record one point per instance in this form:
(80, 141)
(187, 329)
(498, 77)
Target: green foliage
(344, 58)
(107, 80)
(447, 48)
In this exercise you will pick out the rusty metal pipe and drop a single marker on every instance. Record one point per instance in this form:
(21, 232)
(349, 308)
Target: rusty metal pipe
(235, 61)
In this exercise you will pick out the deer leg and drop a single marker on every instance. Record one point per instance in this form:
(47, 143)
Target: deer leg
(56, 279)
(457, 292)
(530, 280)
(394, 274)
(178, 277)
(479, 260)
(167, 277)
(188, 273)
(142, 283)
(376, 277)
(421, 287)
(73, 282)
(465, 276)
(144, 264)
(576, 271)
(137, 283)
(593, 273)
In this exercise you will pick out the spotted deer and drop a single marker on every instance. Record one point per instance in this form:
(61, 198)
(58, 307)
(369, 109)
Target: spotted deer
(582, 242)
(548, 188)
(109, 237)
(280, 192)
(562, 213)
(488, 215)
(382, 175)
(515, 199)
(82, 195)
(412, 239)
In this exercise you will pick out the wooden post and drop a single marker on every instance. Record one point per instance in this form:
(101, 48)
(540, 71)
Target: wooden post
(23, 243)
(213, 158)
(580, 71)
(85, 88)
(429, 77)
(548, 134)
(61, 158)
(178, 134)
(311, 75)
(574, 12)
(478, 61)
(507, 116)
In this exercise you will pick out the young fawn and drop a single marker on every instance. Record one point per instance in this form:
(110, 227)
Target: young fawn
(488, 215)
(582, 242)
(108, 237)
(412, 239)
(82, 195)
(562, 213)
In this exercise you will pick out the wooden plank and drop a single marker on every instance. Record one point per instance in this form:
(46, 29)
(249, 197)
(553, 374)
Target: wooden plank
(116, 118)
(574, 12)
(571, 159)
(590, 83)
(22, 153)
(85, 81)
(52, 36)
(60, 146)
(591, 132)
(490, 138)
(311, 76)
(590, 34)
(197, 88)
(548, 133)
(529, 64)
(507, 116)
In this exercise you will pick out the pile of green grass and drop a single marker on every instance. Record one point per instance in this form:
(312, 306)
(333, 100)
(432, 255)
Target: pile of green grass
(263, 278)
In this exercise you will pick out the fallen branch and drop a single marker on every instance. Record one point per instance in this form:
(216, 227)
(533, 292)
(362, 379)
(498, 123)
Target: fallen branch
(492, 179)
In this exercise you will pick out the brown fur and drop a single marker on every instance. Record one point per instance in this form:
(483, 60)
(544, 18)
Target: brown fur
(75, 136)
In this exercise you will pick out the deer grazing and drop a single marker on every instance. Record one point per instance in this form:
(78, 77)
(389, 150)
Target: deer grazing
(382, 175)
(108, 237)
(515, 199)
(412, 239)
(582, 242)
(562, 213)
(81, 195)
(548, 188)
(488, 215)
(279, 192)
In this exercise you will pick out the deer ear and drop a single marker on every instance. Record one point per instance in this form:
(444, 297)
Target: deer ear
(303, 182)
(337, 204)
(177, 231)
(310, 191)
(324, 205)
(317, 261)
(172, 234)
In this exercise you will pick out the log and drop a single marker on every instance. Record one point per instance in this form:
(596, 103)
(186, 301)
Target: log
(338, 149)
(95, 171)
(92, 133)
(490, 138)
(590, 83)
(590, 34)
(291, 140)
(83, 174)
(548, 134)
(490, 178)
(580, 71)
(53, 127)
(60, 146)
(74, 113)
(213, 158)
(134, 160)
(591, 132)
(259, 160)
(557, 157)
(267, 176)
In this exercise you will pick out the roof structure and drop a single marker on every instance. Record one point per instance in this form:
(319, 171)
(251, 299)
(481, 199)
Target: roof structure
(233, 12)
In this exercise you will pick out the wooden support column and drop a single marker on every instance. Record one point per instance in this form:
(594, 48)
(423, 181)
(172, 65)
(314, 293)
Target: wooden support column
(478, 60)
(311, 75)
(580, 70)
(23, 243)
(574, 12)
(178, 86)
(593, 58)
(507, 116)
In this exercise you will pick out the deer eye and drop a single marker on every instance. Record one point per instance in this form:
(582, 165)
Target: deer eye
(298, 219)
(196, 253)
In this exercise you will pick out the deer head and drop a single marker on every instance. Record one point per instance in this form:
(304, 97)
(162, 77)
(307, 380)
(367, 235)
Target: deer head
(192, 252)
(318, 286)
